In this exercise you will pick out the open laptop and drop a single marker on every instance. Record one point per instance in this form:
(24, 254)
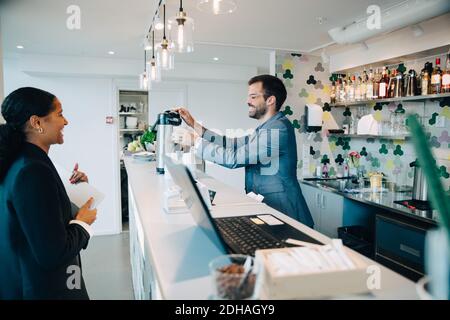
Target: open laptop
(241, 234)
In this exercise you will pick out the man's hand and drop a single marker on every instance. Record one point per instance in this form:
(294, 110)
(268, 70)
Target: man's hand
(187, 117)
(184, 137)
(78, 176)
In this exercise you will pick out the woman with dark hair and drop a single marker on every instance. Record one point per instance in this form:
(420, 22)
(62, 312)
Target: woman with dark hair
(40, 240)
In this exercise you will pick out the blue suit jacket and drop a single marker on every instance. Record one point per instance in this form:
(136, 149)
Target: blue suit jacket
(269, 156)
(37, 243)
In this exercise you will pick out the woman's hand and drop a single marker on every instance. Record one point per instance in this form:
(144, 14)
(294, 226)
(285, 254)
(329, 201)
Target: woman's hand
(86, 214)
(78, 176)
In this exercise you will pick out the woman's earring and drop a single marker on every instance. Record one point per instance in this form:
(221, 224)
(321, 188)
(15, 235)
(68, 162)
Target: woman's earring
(40, 130)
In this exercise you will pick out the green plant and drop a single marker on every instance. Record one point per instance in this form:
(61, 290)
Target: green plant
(148, 137)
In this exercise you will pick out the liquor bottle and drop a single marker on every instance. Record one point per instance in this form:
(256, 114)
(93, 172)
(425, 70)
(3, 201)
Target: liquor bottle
(351, 89)
(369, 86)
(342, 84)
(357, 87)
(363, 85)
(376, 84)
(333, 93)
(446, 77)
(383, 85)
(435, 86)
(425, 80)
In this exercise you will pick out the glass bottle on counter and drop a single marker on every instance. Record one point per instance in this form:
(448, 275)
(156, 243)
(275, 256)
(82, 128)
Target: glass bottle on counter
(383, 84)
(435, 83)
(446, 77)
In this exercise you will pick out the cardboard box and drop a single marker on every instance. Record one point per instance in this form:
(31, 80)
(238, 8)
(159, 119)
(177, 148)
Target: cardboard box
(312, 285)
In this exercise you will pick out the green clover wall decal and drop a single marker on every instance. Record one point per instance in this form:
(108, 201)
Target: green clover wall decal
(347, 112)
(296, 124)
(303, 93)
(339, 159)
(383, 149)
(363, 152)
(432, 121)
(325, 159)
(288, 74)
(398, 150)
(288, 111)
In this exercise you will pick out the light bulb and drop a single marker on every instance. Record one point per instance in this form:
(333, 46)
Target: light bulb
(165, 58)
(216, 6)
(143, 81)
(153, 72)
(181, 36)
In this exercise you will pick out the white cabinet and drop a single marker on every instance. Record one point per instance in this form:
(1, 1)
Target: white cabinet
(326, 208)
(144, 283)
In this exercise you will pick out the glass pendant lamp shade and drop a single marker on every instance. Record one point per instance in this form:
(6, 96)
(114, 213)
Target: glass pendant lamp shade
(217, 6)
(153, 69)
(165, 57)
(143, 81)
(182, 31)
(154, 72)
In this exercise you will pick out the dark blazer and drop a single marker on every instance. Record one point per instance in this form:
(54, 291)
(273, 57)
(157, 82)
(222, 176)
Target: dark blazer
(37, 243)
(269, 156)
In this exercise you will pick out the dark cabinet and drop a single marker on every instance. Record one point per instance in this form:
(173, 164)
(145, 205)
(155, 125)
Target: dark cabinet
(400, 245)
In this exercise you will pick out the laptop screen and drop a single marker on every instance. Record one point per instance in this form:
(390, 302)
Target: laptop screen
(194, 202)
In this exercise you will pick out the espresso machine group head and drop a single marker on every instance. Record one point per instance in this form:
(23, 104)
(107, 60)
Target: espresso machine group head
(164, 128)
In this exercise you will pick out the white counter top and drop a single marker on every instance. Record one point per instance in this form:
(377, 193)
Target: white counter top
(180, 252)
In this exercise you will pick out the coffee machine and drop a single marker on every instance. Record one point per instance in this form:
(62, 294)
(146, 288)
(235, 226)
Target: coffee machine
(164, 128)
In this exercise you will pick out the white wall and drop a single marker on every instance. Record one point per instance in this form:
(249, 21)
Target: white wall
(88, 140)
(396, 44)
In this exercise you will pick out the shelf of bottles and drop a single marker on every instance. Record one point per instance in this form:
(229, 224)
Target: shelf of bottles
(366, 136)
(383, 85)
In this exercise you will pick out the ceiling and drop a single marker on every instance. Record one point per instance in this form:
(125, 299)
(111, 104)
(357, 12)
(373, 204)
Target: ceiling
(244, 37)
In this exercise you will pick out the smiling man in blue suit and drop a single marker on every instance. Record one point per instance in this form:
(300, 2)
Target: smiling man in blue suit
(269, 154)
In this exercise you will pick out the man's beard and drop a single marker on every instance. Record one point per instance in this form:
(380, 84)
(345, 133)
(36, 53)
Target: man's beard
(257, 112)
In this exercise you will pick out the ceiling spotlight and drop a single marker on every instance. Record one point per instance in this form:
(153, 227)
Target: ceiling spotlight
(111, 53)
(216, 59)
(19, 47)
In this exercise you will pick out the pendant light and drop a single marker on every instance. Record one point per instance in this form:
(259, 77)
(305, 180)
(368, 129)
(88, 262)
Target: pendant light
(143, 78)
(155, 72)
(165, 57)
(217, 6)
(182, 29)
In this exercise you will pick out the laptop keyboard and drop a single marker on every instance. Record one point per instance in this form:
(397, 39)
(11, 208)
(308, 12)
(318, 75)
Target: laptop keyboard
(243, 236)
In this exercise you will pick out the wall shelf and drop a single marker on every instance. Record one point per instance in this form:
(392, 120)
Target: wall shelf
(131, 130)
(401, 99)
(365, 136)
(130, 113)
